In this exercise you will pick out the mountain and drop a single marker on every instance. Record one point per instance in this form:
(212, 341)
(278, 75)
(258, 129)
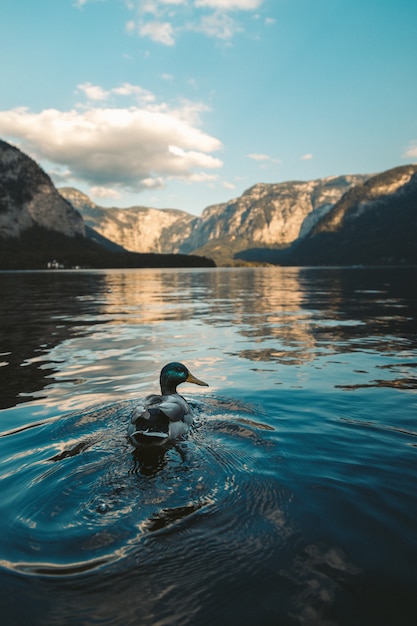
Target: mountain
(28, 198)
(374, 223)
(265, 215)
(271, 214)
(138, 228)
(38, 226)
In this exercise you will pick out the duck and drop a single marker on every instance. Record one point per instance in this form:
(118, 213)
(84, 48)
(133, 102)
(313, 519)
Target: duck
(159, 419)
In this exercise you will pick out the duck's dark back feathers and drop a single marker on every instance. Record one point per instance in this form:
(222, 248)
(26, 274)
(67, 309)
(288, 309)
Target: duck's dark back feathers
(155, 421)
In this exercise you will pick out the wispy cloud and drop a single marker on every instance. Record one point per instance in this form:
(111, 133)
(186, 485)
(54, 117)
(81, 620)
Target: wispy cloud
(202, 177)
(163, 21)
(411, 151)
(218, 25)
(263, 158)
(230, 5)
(161, 32)
(307, 157)
(121, 148)
(95, 93)
(258, 157)
(105, 192)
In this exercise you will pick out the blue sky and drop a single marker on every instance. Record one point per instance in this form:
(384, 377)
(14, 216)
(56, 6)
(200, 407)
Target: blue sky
(187, 103)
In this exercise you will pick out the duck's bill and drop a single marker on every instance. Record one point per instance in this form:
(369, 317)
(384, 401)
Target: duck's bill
(196, 381)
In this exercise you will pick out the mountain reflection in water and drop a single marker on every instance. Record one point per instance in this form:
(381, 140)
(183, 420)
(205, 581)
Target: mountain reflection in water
(292, 502)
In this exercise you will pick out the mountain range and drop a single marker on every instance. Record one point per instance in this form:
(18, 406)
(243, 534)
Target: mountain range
(265, 215)
(350, 219)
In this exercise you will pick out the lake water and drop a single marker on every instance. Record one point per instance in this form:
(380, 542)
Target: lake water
(293, 500)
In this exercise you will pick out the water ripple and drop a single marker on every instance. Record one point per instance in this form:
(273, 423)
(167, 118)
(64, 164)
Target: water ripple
(86, 499)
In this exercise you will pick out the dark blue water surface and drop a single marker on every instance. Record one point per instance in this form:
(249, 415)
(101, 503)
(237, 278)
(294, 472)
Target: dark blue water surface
(292, 502)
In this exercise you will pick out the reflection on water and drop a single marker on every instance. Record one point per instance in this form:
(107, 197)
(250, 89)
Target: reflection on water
(81, 328)
(292, 501)
(38, 312)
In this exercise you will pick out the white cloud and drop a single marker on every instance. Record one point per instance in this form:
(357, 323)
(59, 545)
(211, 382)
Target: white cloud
(153, 183)
(150, 6)
(163, 20)
(96, 93)
(105, 192)
(190, 159)
(263, 159)
(259, 157)
(130, 26)
(307, 157)
(162, 32)
(228, 185)
(230, 5)
(123, 148)
(93, 92)
(218, 25)
(203, 177)
(141, 95)
(411, 151)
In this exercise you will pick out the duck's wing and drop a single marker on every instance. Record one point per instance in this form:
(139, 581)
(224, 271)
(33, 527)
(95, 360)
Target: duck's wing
(175, 407)
(148, 424)
(141, 410)
(159, 418)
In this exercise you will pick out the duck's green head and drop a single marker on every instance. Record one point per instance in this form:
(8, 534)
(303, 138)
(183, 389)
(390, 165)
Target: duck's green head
(174, 374)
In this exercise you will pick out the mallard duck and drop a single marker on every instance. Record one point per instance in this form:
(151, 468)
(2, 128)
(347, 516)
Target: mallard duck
(161, 418)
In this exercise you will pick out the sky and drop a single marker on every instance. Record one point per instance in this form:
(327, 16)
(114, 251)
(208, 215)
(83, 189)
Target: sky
(187, 103)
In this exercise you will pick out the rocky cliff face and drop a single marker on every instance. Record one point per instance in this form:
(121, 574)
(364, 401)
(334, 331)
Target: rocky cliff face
(378, 190)
(138, 229)
(28, 198)
(272, 214)
(265, 215)
(374, 223)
